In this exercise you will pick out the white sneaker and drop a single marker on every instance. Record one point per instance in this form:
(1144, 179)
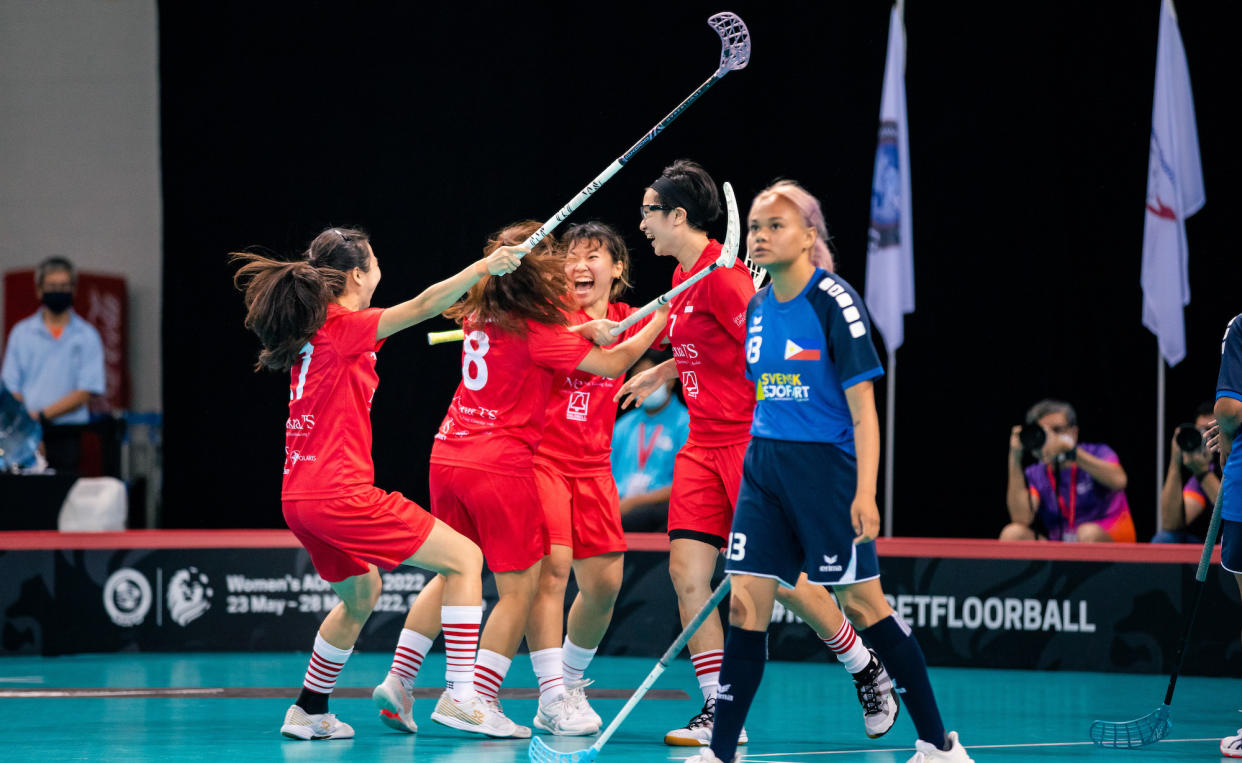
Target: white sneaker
(1231, 747)
(707, 756)
(300, 725)
(875, 693)
(478, 716)
(563, 717)
(698, 732)
(576, 691)
(925, 751)
(396, 706)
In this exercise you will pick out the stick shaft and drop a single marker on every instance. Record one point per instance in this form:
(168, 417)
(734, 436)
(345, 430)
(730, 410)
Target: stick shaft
(617, 164)
(669, 655)
(662, 300)
(1200, 576)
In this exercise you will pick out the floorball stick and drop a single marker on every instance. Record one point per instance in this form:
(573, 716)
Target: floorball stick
(734, 55)
(1155, 726)
(541, 753)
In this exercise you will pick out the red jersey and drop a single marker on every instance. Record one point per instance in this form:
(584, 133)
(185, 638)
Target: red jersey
(707, 330)
(328, 432)
(577, 438)
(497, 415)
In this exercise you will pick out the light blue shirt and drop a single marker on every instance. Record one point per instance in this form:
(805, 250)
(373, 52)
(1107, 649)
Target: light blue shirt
(43, 369)
(644, 447)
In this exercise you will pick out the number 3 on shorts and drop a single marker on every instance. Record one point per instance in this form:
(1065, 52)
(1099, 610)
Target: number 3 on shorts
(473, 367)
(737, 547)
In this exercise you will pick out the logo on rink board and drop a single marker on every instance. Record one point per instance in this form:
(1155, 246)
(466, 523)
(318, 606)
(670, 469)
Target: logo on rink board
(127, 597)
(189, 596)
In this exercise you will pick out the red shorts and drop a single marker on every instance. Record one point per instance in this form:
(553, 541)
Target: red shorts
(346, 535)
(705, 485)
(583, 513)
(499, 512)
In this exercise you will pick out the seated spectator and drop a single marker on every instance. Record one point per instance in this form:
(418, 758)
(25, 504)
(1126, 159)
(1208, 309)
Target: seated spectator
(54, 362)
(1075, 491)
(644, 444)
(1191, 484)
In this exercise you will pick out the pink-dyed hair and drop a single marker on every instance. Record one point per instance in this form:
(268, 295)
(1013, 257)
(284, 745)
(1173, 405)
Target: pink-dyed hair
(812, 217)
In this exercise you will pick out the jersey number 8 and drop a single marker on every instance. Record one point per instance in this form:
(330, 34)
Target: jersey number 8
(473, 367)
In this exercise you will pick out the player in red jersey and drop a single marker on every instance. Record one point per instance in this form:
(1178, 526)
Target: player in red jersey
(707, 331)
(314, 319)
(517, 342)
(574, 475)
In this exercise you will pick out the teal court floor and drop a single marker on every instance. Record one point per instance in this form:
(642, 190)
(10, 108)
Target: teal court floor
(804, 713)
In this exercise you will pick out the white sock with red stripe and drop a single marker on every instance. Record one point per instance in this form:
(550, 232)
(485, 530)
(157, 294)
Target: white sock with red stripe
(325, 665)
(489, 672)
(461, 639)
(411, 648)
(707, 668)
(574, 660)
(848, 648)
(547, 665)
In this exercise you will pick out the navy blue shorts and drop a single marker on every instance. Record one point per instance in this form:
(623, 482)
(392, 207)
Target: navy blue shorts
(793, 515)
(1231, 546)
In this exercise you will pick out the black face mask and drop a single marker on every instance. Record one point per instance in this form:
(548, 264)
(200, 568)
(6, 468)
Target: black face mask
(58, 301)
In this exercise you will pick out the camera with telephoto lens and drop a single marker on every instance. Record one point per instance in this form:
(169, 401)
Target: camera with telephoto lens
(1189, 439)
(1032, 437)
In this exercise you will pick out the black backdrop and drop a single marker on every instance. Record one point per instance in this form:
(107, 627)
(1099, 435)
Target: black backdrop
(432, 125)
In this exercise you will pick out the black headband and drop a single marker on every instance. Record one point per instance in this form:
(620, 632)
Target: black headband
(672, 196)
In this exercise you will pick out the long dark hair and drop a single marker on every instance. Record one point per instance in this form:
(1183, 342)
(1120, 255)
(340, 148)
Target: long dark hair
(287, 301)
(537, 291)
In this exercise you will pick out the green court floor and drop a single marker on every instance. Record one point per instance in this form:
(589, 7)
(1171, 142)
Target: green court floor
(805, 713)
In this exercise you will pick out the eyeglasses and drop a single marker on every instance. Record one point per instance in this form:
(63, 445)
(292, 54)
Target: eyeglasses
(646, 209)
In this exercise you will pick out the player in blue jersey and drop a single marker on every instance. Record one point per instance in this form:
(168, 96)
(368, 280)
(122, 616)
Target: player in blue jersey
(807, 501)
(1228, 412)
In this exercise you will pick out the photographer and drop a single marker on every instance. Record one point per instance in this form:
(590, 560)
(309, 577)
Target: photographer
(1074, 492)
(1191, 485)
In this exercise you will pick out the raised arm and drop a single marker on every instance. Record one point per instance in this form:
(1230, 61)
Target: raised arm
(439, 297)
(1107, 473)
(1018, 499)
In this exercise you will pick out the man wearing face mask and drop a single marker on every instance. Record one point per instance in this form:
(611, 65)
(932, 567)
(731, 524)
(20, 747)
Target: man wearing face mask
(1074, 492)
(644, 444)
(54, 362)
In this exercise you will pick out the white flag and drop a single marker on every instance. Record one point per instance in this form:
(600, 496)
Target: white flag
(1174, 192)
(890, 246)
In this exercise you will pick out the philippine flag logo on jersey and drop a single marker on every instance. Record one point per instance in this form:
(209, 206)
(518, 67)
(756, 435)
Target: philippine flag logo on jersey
(802, 349)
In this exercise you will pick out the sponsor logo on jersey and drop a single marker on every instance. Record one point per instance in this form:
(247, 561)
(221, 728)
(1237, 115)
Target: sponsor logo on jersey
(782, 387)
(801, 348)
(690, 384)
(685, 351)
(579, 404)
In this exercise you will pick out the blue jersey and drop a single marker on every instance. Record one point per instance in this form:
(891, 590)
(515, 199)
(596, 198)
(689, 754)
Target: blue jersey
(1229, 384)
(802, 355)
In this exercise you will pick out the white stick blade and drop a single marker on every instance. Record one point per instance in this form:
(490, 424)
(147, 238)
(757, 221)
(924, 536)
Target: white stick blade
(734, 40)
(733, 232)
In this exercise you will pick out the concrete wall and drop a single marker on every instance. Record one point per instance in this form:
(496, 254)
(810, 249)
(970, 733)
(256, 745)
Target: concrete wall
(80, 155)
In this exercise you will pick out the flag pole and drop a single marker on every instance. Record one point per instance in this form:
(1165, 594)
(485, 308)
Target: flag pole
(891, 396)
(1160, 465)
